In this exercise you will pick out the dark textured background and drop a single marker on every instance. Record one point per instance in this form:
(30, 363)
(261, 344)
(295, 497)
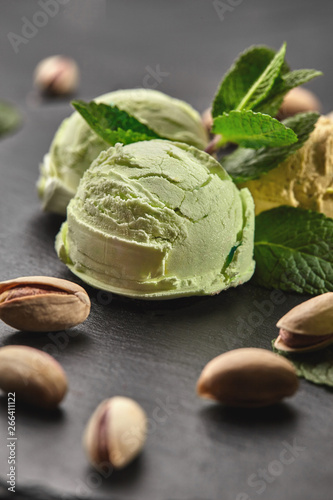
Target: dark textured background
(154, 352)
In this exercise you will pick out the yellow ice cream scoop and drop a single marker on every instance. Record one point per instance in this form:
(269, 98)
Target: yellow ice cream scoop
(304, 180)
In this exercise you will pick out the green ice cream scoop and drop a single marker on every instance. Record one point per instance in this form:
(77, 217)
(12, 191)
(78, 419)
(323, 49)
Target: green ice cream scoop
(75, 145)
(158, 220)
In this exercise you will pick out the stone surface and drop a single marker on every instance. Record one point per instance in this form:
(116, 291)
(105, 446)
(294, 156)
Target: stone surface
(152, 351)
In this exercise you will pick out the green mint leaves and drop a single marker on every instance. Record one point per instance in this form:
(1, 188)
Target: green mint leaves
(316, 366)
(282, 85)
(248, 164)
(257, 82)
(10, 118)
(253, 130)
(293, 250)
(113, 124)
(293, 247)
(249, 80)
(262, 85)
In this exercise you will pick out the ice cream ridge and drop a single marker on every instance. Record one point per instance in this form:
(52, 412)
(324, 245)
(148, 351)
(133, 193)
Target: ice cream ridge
(304, 180)
(158, 220)
(75, 145)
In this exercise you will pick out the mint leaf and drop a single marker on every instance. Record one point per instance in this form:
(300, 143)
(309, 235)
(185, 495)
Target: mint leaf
(271, 104)
(249, 79)
(258, 80)
(298, 77)
(293, 250)
(316, 366)
(113, 124)
(246, 164)
(261, 87)
(10, 118)
(253, 130)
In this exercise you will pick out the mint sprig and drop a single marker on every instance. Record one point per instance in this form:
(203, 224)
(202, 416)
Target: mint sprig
(246, 164)
(253, 130)
(257, 82)
(293, 250)
(113, 124)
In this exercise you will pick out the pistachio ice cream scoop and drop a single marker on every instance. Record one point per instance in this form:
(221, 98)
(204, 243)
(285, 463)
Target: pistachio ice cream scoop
(158, 220)
(75, 145)
(304, 180)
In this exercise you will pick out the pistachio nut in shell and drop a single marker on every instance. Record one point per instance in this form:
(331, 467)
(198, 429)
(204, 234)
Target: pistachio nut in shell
(34, 376)
(308, 326)
(116, 432)
(42, 303)
(248, 377)
(207, 119)
(57, 75)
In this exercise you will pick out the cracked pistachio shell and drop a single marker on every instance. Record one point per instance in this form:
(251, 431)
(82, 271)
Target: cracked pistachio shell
(312, 317)
(248, 377)
(57, 75)
(281, 346)
(116, 432)
(42, 303)
(34, 376)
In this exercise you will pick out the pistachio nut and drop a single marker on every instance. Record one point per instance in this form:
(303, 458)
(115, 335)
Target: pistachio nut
(298, 100)
(42, 303)
(207, 119)
(57, 75)
(248, 377)
(116, 432)
(308, 326)
(35, 376)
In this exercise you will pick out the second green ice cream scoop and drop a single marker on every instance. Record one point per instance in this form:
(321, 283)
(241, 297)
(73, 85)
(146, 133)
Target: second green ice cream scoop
(157, 220)
(75, 145)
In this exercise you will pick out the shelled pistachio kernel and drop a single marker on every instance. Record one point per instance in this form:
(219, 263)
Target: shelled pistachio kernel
(42, 303)
(248, 377)
(308, 326)
(34, 376)
(116, 432)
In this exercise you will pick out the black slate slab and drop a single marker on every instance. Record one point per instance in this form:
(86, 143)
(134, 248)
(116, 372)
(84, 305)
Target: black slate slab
(154, 351)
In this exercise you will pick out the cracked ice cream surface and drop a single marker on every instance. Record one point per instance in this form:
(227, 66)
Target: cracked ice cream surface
(75, 145)
(157, 219)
